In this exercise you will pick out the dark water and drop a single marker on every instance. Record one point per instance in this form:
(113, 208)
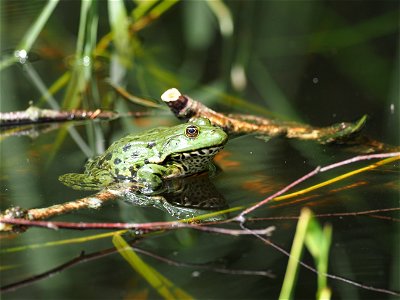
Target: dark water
(319, 63)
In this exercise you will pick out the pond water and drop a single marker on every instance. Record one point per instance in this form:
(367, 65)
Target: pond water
(318, 63)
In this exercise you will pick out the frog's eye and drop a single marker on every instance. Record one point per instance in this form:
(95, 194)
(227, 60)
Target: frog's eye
(192, 131)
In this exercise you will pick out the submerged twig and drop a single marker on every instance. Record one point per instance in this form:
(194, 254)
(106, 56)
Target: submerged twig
(83, 258)
(205, 267)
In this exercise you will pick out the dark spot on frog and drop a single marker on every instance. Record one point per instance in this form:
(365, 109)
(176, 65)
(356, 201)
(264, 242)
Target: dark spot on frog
(151, 144)
(108, 156)
(117, 161)
(135, 154)
(133, 171)
(121, 177)
(126, 147)
(146, 161)
(100, 162)
(116, 171)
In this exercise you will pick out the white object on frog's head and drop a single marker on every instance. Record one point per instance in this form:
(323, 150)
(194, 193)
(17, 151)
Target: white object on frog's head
(171, 95)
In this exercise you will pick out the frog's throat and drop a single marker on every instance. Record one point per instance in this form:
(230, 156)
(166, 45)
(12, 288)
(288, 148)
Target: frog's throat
(209, 152)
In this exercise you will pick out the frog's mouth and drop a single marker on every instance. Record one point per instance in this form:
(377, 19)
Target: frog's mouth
(208, 152)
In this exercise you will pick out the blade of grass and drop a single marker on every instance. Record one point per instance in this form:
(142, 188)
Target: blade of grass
(223, 15)
(161, 284)
(161, 8)
(317, 241)
(56, 86)
(62, 242)
(143, 6)
(84, 48)
(8, 267)
(295, 254)
(118, 19)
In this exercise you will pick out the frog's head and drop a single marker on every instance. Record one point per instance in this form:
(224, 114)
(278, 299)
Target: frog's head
(197, 138)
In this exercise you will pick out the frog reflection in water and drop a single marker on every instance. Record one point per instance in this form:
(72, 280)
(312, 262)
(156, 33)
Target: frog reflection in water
(181, 198)
(147, 158)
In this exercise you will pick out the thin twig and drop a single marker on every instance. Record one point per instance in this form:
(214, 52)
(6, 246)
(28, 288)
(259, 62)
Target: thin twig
(354, 283)
(240, 217)
(328, 215)
(140, 227)
(83, 258)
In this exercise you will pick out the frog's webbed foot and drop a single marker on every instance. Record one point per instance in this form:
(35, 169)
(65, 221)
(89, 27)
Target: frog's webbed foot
(83, 181)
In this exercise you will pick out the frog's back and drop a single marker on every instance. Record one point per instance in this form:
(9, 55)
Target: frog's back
(119, 163)
(123, 158)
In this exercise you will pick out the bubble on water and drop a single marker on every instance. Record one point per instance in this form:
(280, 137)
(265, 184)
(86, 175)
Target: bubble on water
(195, 274)
(86, 61)
(22, 55)
(315, 80)
(392, 108)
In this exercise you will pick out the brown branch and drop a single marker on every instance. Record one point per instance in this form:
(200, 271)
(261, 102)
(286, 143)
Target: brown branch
(35, 115)
(186, 108)
(34, 214)
(140, 227)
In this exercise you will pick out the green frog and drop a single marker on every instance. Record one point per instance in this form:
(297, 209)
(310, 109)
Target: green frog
(149, 157)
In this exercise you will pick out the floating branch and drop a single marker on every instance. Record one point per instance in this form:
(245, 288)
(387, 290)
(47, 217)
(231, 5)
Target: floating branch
(35, 115)
(93, 202)
(186, 108)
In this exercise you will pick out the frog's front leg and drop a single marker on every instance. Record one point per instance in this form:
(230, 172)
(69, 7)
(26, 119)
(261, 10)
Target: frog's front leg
(150, 176)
